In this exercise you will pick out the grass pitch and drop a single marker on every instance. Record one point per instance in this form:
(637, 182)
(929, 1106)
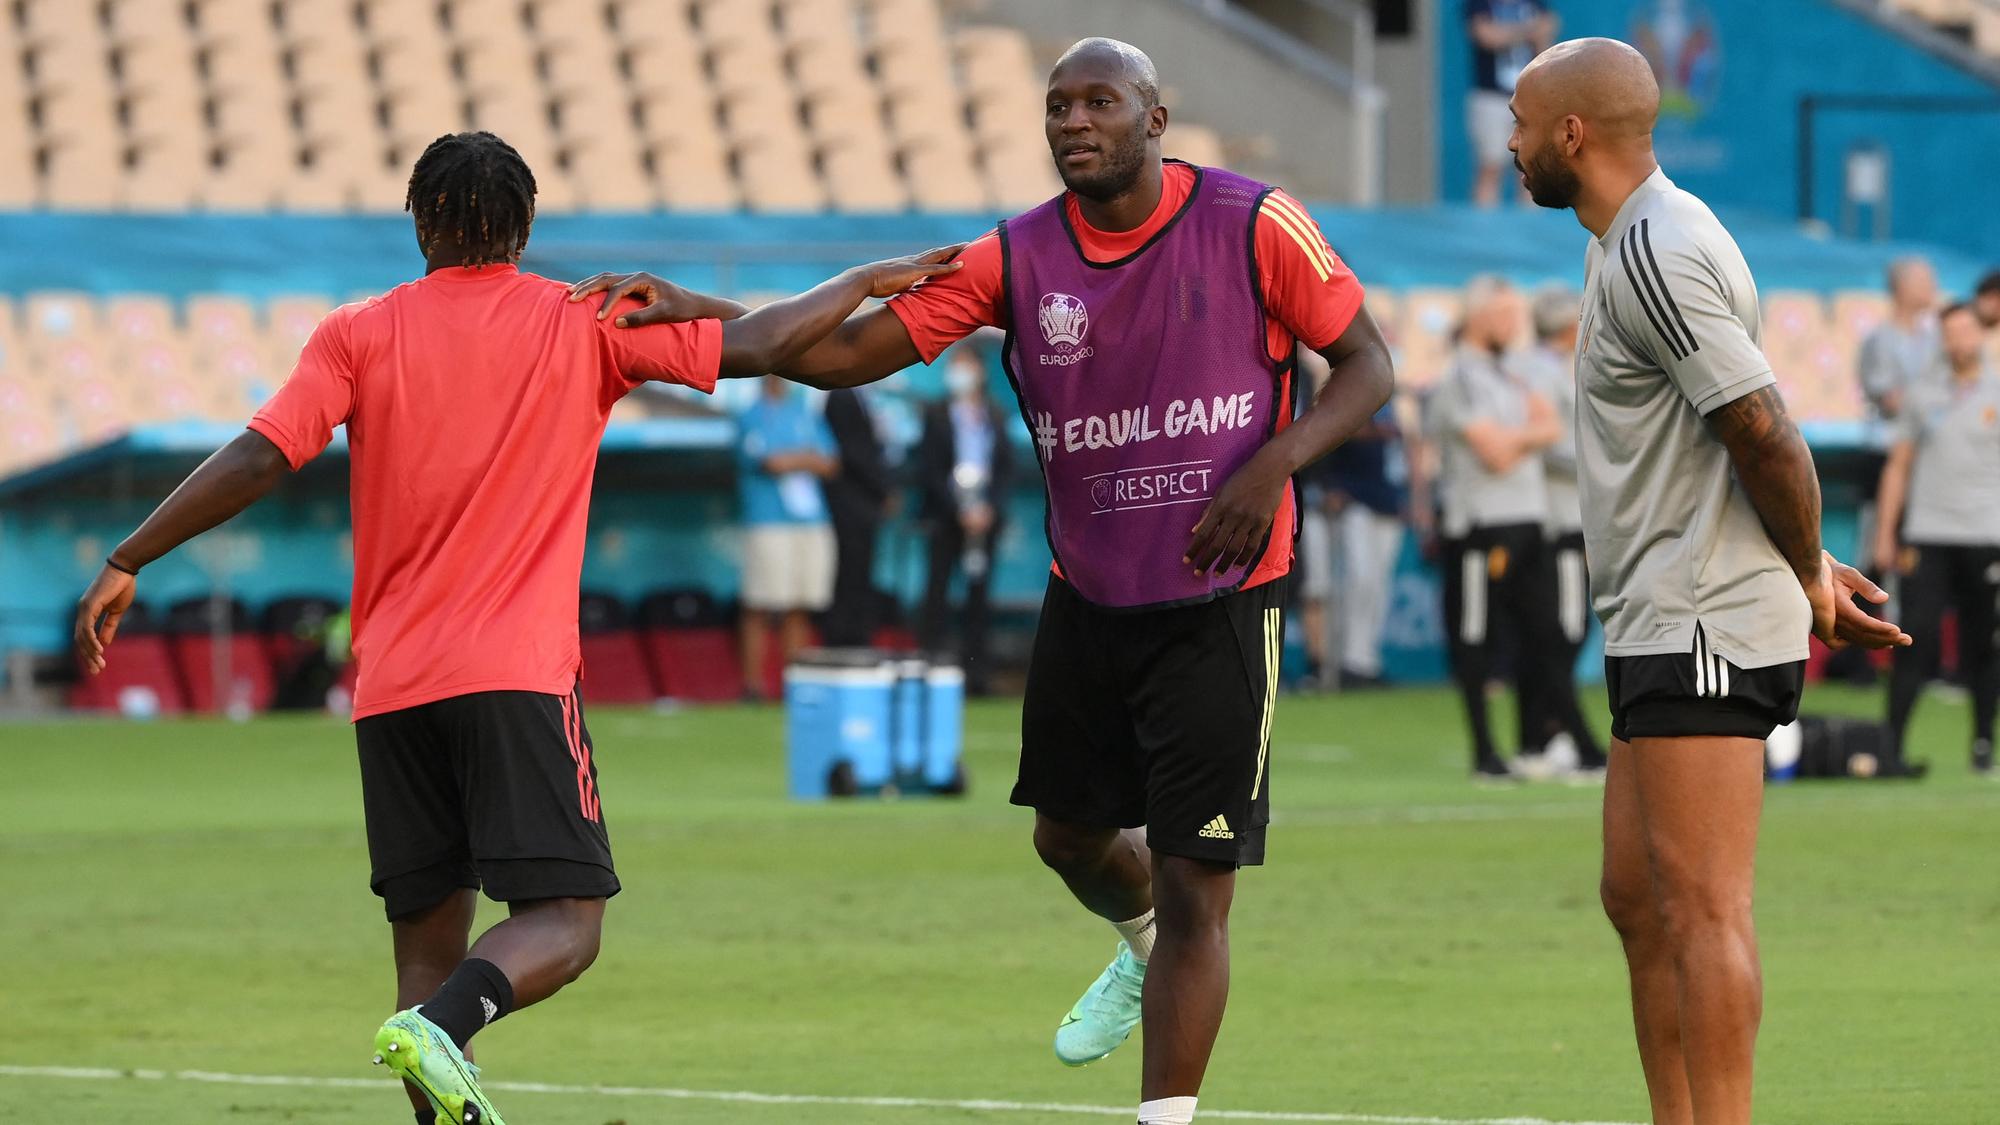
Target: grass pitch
(192, 896)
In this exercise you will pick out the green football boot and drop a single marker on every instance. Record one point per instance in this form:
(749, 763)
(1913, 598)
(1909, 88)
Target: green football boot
(420, 1053)
(1106, 1015)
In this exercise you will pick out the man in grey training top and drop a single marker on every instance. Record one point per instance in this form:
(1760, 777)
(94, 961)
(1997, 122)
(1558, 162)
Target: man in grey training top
(1701, 520)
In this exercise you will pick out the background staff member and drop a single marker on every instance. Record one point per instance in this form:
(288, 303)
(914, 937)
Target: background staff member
(966, 470)
(1550, 367)
(1942, 487)
(1492, 429)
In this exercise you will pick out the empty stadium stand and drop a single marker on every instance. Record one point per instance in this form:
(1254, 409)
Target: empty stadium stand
(322, 105)
(75, 369)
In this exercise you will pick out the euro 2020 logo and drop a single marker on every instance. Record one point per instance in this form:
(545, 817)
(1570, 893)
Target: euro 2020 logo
(1064, 321)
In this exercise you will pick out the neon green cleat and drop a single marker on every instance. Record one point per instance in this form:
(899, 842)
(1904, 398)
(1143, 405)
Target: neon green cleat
(1106, 1015)
(420, 1053)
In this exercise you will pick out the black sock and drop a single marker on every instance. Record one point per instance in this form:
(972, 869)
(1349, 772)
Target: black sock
(426, 1117)
(476, 994)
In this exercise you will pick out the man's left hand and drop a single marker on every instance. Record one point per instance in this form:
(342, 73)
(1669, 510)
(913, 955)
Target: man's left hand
(1852, 625)
(1234, 524)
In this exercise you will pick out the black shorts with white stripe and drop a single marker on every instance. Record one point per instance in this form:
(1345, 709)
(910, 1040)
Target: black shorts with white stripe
(1697, 694)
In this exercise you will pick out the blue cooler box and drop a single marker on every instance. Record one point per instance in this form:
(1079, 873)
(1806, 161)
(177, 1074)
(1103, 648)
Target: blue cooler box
(896, 723)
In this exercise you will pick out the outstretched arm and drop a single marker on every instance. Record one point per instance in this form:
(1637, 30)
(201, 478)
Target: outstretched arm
(233, 478)
(1234, 524)
(810, 338)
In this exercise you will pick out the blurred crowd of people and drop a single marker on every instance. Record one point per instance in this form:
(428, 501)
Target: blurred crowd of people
(819, 477)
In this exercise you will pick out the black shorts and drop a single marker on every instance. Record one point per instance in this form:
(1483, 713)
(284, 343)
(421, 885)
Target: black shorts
(1699, 694)
(1159, 718)
(495, 789)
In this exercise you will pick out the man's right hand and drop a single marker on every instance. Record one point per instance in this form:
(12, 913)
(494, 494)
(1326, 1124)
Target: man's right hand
(98, 613)
(891, 276)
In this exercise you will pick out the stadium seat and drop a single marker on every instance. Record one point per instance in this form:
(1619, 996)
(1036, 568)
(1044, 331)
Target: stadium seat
(1194, 144)
(1429, 322)
(1856, 313)
(215, 320)
(691, 642)
(291, 321)
(51, 316)
(143, 679)
(30, 433)
(134, 317)
(615, 668)
(941, 183)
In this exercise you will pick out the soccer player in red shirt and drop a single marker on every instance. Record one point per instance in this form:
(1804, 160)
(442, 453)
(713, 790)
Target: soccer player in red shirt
(474, 398)
(1148, 291)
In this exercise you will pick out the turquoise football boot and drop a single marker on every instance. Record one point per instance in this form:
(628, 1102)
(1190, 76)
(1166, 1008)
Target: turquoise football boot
(1106, 1015)
(420, 1053)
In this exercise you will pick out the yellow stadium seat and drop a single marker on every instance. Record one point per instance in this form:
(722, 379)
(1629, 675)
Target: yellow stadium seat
(1384, 309)
(1793, 322)
(216, 320)
(135, 318)
(695, 179)
(51, 317)
(29, 437)
(289, 323)
(1194, 144)
(150, 360)
(861, 178)
(1427, 327)
(941, 182)
(993, 58)
(779, 178)
(1856, 313)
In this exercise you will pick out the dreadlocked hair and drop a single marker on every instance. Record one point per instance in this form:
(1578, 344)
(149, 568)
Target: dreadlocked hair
(472, 190)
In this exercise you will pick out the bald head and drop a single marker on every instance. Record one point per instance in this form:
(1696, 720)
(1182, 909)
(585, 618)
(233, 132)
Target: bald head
(1115, 58)
(1104, 118)
(1584, 112)
(1608, 84)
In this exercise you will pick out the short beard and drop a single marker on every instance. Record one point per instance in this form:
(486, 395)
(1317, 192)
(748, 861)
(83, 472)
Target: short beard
(1551, 183)
(1120, 170)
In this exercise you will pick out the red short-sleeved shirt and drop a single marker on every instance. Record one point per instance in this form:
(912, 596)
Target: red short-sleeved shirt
(474, 401)
(1310, 296)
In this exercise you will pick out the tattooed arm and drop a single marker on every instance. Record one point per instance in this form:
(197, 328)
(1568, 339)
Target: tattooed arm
(1776, 469)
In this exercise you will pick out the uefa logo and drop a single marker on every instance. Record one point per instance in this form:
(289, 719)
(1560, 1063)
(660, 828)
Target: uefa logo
(1100, 493)
(1064, 321)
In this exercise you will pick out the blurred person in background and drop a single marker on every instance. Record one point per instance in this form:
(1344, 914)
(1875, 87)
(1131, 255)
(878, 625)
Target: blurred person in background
(1904, 348)
(1313, 567)
(859, 497)
(1942, 489)
(966, 468)
(1506, 35)
(785, 454)
(1986, 300)
(1365, 494)
(1549, 366)
(1493, 430)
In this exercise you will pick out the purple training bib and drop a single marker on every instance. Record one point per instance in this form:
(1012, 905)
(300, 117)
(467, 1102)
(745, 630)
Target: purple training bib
(1145, 383)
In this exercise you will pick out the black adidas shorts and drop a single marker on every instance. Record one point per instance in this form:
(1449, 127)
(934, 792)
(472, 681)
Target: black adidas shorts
(496, 789)
(1159, 718)
(1687, 695)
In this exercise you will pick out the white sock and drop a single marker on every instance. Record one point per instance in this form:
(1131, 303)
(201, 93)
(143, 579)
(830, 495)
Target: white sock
(1167, 1111)
(1138, 933)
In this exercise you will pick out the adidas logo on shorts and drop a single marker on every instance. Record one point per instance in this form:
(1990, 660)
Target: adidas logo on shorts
(1217, 829)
